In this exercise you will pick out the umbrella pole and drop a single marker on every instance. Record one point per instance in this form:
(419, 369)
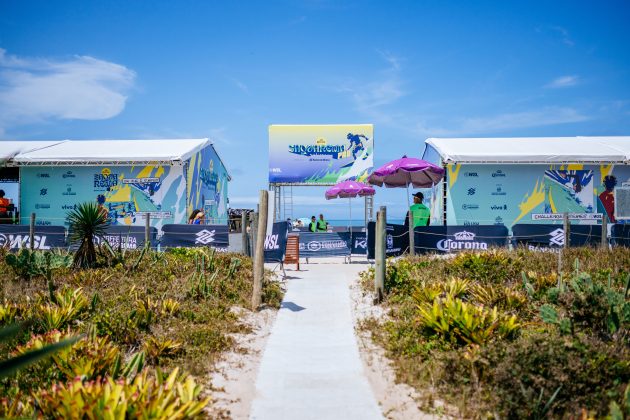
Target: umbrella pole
(412, 242)
(350, 227)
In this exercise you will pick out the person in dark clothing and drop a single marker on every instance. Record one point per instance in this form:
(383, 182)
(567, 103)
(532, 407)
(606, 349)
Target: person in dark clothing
(312, 227)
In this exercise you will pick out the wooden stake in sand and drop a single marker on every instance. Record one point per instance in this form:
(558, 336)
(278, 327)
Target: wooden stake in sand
(259, 255)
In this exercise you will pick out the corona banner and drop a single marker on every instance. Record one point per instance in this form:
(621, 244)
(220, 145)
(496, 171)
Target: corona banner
(320, 154)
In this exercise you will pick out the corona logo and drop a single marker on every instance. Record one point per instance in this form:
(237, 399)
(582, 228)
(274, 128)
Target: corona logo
(321, 141)
(464, 236)
(106, 172)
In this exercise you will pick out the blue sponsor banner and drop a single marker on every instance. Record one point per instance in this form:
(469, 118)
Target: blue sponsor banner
(213, 236)
(550, 238)
(17, 237)
(328, 244)
(128, 237)
(459, 238)
(621, 235)
(357, 241)
(396, 240)
(276, 243)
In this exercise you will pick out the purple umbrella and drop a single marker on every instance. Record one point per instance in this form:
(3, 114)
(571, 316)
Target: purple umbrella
(349, 189)
(407, 171)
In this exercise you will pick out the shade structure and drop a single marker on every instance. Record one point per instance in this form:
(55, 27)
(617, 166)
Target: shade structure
(349, 189)
(407, 171)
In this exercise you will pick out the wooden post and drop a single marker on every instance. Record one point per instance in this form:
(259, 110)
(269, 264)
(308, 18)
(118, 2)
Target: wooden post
(31, 232)
(244, 238)
(380, 251)
(605, 231)
(147, 229)
(253, 235)
(567, 229)
(412, 238)
(259, 255)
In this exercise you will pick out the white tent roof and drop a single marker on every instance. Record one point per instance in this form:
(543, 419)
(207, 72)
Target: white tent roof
(114, 152)
(533, 149)
(11, 148)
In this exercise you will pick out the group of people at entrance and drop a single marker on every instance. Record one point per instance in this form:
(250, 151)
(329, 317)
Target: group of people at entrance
(320, 225)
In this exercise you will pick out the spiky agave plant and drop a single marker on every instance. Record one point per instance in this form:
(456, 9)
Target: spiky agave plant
(86, 222)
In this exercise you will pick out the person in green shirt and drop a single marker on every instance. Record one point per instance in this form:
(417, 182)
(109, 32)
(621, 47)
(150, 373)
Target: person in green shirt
(421, 213)
(312, 227)
(322, 225)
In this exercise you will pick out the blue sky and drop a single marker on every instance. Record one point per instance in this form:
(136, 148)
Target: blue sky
(226, 70)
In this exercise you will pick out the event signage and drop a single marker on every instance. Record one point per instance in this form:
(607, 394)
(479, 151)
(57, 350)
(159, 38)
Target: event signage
(46, 237)
(127, 237)
(276, 243)
(320, 154)
(357, 242)
(621, 235)
(329, 244)
(550, 238)
(396, 239)
(213, 236)
(459, 238)
(530, 194)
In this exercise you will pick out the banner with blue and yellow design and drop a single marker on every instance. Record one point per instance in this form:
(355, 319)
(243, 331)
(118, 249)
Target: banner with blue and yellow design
(320, 154)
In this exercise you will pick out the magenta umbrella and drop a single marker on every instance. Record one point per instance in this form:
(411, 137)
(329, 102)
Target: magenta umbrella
(404, 172)
(349, 190)
(407, 171)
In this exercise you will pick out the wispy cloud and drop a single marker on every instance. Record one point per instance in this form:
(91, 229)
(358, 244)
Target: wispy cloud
(563, 82)
(79, 88)
(239, 84)
(387, 87)
(505, 122)
(564, 35)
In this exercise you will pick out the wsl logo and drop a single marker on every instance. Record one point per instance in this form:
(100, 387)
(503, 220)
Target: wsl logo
(462, 240)
(23, 241)
(318, 149)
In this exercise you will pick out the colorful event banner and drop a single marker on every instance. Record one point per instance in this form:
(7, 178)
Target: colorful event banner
(126, 192)
(276, 242)
(550, 238)
(46, 237)
(328, 244)
(213, 236)
(512, 194)
(320, 154)
(207, 186)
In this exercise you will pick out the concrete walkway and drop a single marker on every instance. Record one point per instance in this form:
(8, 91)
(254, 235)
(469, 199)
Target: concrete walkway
(311, 367)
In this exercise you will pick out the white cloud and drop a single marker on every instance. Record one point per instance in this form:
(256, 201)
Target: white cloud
(385, 89)
(564, 35)
(545, 116)
(563, 81)
(242, 86)
(79, 88)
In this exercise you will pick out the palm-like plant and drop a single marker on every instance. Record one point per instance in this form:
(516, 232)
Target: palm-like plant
(87, 221)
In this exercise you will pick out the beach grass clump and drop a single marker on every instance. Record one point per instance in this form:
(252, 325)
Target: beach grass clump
(502, 334)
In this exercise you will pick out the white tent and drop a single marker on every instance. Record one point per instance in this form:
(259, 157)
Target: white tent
(116, 152)
(11, 148)
(543, 150)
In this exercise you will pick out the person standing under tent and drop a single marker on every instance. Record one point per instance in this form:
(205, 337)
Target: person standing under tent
(420, 213)
(5, 207)
(312, 227)
(322, 225)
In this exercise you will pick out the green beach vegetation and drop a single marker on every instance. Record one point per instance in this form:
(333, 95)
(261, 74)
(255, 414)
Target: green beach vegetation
(501, 334)
(140, 330)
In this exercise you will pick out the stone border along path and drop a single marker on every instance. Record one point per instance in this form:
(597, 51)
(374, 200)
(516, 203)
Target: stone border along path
(311, 368)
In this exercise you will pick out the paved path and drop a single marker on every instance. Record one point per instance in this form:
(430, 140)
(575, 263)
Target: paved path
(311, 367)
